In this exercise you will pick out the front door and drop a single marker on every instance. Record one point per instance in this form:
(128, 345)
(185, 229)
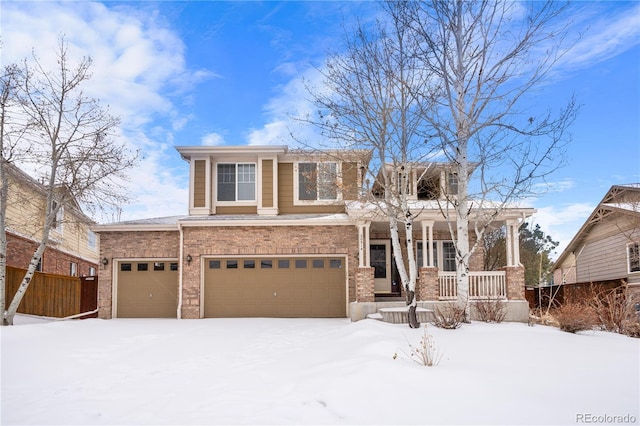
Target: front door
(380, 255)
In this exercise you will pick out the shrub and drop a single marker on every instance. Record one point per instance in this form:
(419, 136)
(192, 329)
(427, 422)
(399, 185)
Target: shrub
(425, 353)
(491, 309)
(574, 317)
(450, 316)
(615, 310)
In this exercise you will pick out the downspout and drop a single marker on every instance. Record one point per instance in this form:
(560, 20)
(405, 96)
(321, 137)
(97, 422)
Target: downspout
(181, 254)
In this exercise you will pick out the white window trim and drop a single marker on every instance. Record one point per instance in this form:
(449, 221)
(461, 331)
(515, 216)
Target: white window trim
(296, 185)
(253, 202)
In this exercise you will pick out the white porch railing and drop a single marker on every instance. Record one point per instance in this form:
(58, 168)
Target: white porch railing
(483, 284)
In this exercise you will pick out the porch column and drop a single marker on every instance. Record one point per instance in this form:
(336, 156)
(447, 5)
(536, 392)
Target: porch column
(427, 243)
(363, 244)
(512, 243)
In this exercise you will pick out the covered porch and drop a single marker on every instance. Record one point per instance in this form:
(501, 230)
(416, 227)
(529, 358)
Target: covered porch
(378, 283)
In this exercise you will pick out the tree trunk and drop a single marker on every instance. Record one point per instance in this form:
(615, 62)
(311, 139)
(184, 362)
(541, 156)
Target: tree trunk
(10, 313)
(407, 283)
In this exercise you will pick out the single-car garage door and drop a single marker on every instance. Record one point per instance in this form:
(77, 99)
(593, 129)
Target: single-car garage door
(147, 289)
(275, 287)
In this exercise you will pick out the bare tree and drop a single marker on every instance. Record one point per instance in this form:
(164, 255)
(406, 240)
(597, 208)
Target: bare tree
(9, 85)
(486, 57)
(367, 102)
(71, 140)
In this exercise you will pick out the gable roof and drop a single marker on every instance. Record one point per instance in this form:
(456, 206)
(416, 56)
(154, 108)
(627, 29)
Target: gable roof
(623, 199)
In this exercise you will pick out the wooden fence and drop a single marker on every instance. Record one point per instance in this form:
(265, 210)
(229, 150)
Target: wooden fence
(52, 295)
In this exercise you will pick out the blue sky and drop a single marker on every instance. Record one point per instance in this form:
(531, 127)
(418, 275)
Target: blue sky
(229, 73)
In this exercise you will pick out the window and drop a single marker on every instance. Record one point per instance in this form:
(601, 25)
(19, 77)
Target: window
(92, 271)
(266, 264)
(91, 240)
(335, 263)
(283, 263)
(125, 267)
(317, 181)
(237, 182)
(403, 181)
(173, 266)
(158, 266)
(143, 267)
(73, 269)
(633, 251)
(452, 183)
(301, 263)
(448, 256)
(249, 264)
(232, 264)
(57, 221)
(317, 263)
(214, 264)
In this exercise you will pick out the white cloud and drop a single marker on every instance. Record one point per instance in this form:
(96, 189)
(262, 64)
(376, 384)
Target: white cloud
(562, 222)
(138, 68)
(607, 33)
(213, 139)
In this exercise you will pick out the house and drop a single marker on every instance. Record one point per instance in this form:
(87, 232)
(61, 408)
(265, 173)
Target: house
(72, 249)
(605, 252)
(274, 232)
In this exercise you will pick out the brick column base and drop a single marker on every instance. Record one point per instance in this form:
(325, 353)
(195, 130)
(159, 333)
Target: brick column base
(428, 284)
(515, 282)
(365, 285)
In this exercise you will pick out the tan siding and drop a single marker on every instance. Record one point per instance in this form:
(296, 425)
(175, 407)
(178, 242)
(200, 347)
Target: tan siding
(237, 210)
(350, 181)
(603, 260)
(199, 183)
(285, 195)
(267, 183)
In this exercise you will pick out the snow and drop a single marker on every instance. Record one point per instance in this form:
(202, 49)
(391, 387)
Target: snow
(309, 371)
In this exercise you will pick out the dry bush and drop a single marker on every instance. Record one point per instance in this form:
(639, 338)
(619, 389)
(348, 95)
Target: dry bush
(615, 310)
(450, 316)
(425, 353)
(574, 317)
(491, 309)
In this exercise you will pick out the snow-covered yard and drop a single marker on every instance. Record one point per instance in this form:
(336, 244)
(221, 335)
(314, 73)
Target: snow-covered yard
(310, 371)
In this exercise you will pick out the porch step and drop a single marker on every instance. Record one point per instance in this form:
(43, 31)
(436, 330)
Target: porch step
(400, 315)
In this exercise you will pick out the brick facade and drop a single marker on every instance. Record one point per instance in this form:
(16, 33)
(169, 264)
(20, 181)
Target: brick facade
(127, 245)
(204, 241)
(515, 282)
(427, 285)
(365, 285)
(20, 250)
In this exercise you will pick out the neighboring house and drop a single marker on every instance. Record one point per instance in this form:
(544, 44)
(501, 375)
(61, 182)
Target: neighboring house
(73, 247)
(605, 251)
(273, 232)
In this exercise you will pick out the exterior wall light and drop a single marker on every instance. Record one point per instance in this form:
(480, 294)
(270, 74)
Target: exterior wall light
(105, 261)
(189, 259)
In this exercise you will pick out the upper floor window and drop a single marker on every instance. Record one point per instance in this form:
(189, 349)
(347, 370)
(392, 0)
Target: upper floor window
(317, 181)
(57, 222)
(452, 183)
(237, 182)
(633, 255)
(91, 240)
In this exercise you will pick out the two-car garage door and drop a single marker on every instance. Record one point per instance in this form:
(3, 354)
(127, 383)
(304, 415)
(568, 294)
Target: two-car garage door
(275, 287)
(285, 287)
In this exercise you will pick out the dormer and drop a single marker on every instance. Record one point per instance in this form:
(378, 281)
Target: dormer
(271, 180)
